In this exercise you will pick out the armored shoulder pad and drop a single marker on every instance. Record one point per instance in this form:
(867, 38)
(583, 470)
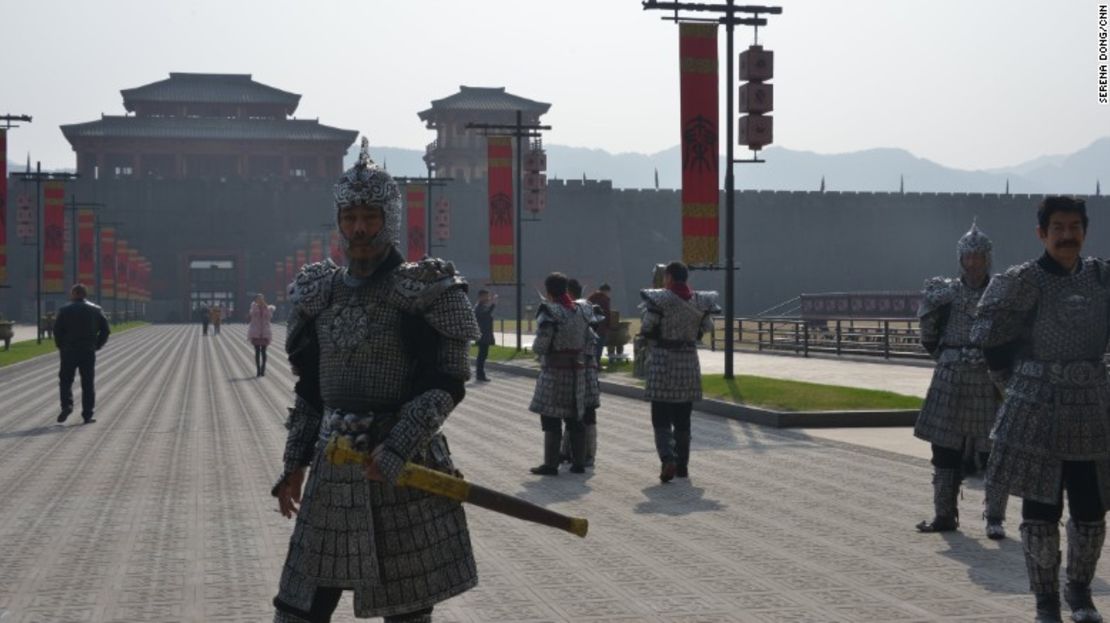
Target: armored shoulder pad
(419, 284)
(654, 298)
(1103, 267)
(311, 290)
(546, 313)
(707, 301)
(937, 292)
(452, 316)
(1013, 290)
(592, 313)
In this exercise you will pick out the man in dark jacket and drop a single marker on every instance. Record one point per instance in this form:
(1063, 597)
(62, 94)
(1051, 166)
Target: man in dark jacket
(79, 331)
(483, 311)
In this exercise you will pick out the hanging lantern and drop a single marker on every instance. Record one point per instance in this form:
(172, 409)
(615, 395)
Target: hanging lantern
(535, 160)
(535, 181)
(535, 201)
(442, 219)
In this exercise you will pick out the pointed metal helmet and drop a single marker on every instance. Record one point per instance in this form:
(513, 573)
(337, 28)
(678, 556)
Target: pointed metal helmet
(366, 183)
(974, 241)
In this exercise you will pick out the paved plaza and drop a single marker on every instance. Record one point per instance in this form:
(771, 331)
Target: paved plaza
(161, 510)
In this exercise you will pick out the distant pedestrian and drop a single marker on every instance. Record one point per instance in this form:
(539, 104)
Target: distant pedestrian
(258, 332)
(215, 315)
(80, 330)
(203, 313)
(483, 311)
(674, 319)
(562, 390)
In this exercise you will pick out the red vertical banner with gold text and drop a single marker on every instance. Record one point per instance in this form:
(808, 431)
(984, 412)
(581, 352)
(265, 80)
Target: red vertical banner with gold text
(697, 50)
(302, 257)
(290, 272)
(416, 233)
(279, 281)
(53, 238)
(86, 249)
(108, 262)
(316, 250)
(123, 277)
(3, 206)
(500, 177)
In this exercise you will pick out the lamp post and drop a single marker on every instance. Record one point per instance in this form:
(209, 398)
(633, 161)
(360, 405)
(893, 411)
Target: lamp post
(520, 131)
(730, 20)
(38, 177)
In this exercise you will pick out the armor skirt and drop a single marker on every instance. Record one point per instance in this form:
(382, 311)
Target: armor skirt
(673, 375)
(398, 549)
(1052, 413)
(961, 405)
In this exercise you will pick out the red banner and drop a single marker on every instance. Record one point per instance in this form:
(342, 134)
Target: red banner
(500, 176)
(290, 273)
(417, 228)
(123, 270)
(443, 219)
(697, 50)
(53, 239)
(302, 257)
(316, 250)
(334, 250)
(108, 261)
(3, 206)
(86, 249)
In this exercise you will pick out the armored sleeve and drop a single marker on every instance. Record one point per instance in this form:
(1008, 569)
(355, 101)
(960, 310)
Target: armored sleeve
(1002, 317)
(545, 331)
(303, 425)
(937, 296)
(439, 331)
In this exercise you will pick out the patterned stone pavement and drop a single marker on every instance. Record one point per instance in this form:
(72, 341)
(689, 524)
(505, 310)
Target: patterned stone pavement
(161, 511)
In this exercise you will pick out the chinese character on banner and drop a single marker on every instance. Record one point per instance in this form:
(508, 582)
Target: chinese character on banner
(24, 218)
(443, 219)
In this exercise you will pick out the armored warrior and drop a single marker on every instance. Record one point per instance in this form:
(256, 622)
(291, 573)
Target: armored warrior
(961, 404)
(564, 392)
(1044, 327)
(593, 368)
(673, 321)
(380, 348)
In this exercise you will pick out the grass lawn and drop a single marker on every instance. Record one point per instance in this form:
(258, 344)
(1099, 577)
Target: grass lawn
(797, 396)
(21, 351)
(504, 353)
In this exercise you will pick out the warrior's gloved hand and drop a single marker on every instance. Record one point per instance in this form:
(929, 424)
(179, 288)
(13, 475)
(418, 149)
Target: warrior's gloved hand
(288, 492)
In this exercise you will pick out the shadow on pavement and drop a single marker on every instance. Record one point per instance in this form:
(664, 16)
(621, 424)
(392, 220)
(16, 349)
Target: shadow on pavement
(679, 497)
(550, 489)
(33, 432)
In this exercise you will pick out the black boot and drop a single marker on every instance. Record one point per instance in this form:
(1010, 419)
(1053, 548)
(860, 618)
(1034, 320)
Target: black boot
(591, 444)
(995, 512)
(1040, 541)
(1085, 539)
(551, 441)
(946, 490)
(577, 450)
(682, 453)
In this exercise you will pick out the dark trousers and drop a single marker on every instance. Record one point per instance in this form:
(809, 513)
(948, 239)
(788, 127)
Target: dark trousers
(949, 458)
(1084, 499)
(260, 359)
(325, 601)
(555, 424)
(483, 353)
(204, 327)
(671, 415)
(74, 360)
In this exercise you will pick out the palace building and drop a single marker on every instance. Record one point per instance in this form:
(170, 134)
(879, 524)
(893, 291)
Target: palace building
(208, 126)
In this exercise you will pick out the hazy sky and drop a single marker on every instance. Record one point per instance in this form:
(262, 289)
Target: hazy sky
(976, 84)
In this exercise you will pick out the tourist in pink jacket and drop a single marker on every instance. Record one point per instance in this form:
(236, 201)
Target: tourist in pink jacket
(258, 332)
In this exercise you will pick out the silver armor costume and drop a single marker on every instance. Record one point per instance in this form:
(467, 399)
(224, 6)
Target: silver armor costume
(673, 327)
(386, 356)
(961, 403)
(1057, 397)
(563, 340)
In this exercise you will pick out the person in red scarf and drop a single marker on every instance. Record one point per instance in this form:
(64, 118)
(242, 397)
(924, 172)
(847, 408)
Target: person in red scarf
(563, 336)
(673, 321)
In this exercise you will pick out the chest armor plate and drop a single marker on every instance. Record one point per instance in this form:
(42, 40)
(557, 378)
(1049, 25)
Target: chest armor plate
(1071, 316)
(961, 315)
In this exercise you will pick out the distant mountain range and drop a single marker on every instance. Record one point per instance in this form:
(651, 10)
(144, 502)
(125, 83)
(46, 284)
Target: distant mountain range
(879, 170)
(883, 169)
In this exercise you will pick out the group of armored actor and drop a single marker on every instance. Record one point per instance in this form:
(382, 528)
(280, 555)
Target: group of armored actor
(380, 351)
(1020, 386)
